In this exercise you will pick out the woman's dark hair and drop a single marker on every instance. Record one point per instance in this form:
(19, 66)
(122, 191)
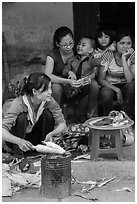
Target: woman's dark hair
(35, 81)
(60, 33)
(122, 33)
(100, 32)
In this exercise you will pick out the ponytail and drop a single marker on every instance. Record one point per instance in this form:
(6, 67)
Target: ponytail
(23, 86)
(36, 81)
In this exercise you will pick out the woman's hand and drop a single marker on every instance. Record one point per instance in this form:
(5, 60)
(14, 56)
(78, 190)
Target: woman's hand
(71, 81)
(25, 145)
(72, 75)
(127, 54)
(119, 96)
(48, 137)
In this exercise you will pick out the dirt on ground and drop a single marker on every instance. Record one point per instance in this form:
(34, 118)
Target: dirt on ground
(120, 189)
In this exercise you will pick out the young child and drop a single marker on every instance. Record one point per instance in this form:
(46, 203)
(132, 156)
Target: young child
(82, 66)
(104, 41)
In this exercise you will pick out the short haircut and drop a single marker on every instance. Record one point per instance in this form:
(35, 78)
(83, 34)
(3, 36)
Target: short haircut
(92, 40)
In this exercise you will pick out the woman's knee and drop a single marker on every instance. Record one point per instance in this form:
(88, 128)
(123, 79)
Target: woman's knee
(20, 127)
(48, 115)
(94, 87)
(57, 91)
(106, 94)
(130, 87)
(48, 120)
(94, 84)
(57, 87)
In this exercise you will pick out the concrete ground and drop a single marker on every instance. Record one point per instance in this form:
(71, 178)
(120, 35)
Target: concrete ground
(121, 189)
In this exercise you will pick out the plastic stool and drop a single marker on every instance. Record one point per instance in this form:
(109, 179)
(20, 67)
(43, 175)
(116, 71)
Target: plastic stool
(94, 143)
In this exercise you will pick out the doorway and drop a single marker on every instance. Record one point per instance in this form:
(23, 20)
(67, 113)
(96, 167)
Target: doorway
(89, 15)
(85, 20)
(118, 14)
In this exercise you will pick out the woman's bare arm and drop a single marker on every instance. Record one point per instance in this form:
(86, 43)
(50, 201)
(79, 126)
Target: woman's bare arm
(24, 145)
(128, 71)
(49, 66)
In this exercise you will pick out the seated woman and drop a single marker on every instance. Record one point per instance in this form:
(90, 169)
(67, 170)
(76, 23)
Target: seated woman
(33, 116)
(117, 76)
(57, 58)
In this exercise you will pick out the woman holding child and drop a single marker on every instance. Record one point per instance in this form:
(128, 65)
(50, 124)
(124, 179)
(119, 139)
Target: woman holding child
(60, 59)
(57, 58)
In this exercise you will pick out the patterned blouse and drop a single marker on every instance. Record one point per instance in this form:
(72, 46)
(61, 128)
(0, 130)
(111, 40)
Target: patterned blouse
(115, 73)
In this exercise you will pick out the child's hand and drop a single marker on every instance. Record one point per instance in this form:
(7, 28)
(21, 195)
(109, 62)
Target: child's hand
(71, 81)
(76, 84)
(48, 137)
(72, 75)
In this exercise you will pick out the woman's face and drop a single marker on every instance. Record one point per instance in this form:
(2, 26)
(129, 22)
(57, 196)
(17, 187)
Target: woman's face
(124, 44)
(45, 95)
(104, 40)
(66, 44)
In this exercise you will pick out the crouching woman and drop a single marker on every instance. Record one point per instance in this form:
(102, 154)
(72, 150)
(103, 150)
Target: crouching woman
(34, 116)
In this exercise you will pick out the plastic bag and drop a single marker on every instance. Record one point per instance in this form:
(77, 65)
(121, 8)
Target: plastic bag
(127, 136)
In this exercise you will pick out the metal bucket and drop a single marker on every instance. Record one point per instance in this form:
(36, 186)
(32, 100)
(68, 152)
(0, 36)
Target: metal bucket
(56, 176)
